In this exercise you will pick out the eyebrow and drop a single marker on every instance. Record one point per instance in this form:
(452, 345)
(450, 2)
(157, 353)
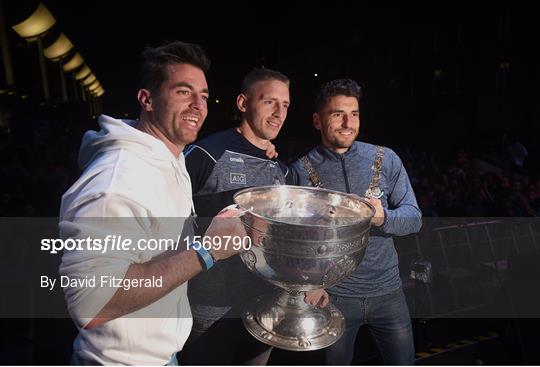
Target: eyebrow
(336, 110)
(189, 86)
(266, 96)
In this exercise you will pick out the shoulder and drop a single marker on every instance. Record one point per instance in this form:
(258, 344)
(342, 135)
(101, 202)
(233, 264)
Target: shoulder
(212, 146)
(119, 173)
(391, 163)
(370, 150)
(295, 165)
(391, 158)
(315, 155)
(298, 165)
(367, 149)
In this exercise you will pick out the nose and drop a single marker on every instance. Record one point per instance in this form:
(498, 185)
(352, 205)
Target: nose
(280, 111)
(346, 121)
(198, 103)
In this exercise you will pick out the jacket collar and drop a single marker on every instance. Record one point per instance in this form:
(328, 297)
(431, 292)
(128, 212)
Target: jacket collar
(329, 154)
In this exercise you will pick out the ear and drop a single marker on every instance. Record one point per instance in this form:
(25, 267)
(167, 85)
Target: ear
(316, 121)
(145, 100)
(241, 101)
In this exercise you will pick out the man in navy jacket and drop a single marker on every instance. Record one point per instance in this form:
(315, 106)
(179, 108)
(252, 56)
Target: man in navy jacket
(219, 166)
(372, 294)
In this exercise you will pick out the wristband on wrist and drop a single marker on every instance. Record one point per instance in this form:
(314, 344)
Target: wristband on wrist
(204, 255)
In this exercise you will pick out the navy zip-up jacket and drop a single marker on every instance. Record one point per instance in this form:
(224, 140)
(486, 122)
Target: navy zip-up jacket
(351, 172)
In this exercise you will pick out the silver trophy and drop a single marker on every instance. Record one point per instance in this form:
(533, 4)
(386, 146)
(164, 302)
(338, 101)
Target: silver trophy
(303, 239)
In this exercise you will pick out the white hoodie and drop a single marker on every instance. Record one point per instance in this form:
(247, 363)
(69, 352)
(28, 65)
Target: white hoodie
(127, 174)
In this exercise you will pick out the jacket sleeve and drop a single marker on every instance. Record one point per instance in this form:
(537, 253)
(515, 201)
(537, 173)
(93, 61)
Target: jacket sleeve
(96, 220)
(402, 216)
(199, 164)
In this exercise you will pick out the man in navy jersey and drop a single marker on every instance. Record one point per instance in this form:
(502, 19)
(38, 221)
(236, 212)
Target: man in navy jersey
(219, 166)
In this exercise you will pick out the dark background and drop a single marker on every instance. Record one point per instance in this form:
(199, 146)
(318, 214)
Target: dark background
(432, 76)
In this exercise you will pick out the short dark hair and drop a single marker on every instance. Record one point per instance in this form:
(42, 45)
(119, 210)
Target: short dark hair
(154, 61)
(338, 87)
(259, 74)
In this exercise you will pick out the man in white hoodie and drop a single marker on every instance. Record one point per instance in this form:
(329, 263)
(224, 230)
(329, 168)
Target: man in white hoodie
(128, 302)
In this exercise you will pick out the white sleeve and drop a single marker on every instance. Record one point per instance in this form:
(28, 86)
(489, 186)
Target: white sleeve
(107, 215)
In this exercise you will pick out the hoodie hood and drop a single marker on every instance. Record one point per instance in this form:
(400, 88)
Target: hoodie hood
(120, 134)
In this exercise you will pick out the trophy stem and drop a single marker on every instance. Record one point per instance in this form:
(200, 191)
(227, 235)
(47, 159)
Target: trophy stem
(292, 300)
(285, 321)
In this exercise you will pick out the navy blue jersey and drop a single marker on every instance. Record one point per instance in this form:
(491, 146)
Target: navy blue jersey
(219, 166)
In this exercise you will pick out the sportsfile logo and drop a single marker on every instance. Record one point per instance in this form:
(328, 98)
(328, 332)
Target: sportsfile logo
(238, 178)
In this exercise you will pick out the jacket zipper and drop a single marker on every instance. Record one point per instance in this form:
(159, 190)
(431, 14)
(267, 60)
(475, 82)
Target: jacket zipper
(347, 187)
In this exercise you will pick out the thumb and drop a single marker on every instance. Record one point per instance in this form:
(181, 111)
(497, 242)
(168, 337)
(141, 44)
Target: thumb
(229, 212)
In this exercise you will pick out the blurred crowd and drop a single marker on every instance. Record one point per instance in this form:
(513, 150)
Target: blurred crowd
(469, 185)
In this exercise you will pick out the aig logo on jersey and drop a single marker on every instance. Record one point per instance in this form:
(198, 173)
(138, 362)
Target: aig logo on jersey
(238, 178)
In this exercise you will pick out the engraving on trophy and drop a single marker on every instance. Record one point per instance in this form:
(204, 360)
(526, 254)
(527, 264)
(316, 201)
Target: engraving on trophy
(338, 271)
(332, 210)
(346, 247)
(304, 343)
(349, 264)
(322, 249)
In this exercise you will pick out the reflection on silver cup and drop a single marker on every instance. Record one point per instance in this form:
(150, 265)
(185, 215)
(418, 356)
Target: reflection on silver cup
(303, 239)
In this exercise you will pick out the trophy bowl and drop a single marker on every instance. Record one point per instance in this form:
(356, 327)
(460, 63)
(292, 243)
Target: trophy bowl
(302, 239)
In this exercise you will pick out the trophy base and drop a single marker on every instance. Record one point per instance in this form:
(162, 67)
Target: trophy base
(285, 321)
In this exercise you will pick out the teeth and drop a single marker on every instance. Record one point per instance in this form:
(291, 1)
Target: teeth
(191, 120)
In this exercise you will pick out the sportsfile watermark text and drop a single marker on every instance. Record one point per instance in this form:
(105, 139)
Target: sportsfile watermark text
(121, 243)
